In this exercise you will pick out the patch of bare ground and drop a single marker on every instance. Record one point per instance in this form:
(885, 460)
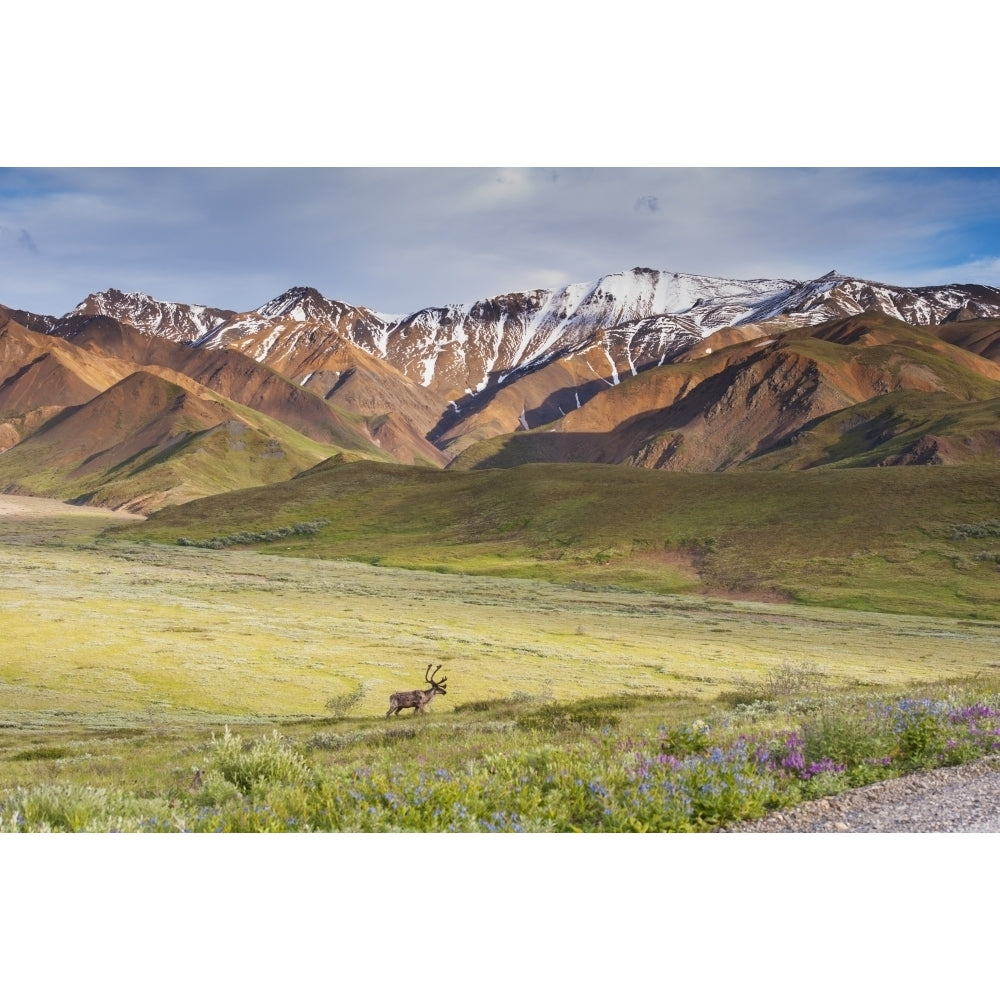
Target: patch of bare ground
(24, 508)
(686, 563)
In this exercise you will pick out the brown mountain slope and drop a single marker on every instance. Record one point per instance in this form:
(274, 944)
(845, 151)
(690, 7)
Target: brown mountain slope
(309, 345)
(719, 410)
(96, 352)
(40, 375)
(539, 397)
(141, 413)
(146, 441)
(35, 393)
(29, 320)
(981, 336)
(20, 347)
(357, 382)
(239, 377)
(75, 415)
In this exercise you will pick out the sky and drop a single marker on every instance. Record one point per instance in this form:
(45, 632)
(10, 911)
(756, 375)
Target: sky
(397, 239)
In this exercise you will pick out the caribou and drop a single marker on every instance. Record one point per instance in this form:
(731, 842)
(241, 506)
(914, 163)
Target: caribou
(418, 700)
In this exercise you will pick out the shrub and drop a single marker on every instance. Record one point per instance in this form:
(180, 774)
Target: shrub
(66, 809)
(340, 705)
(216, 790)
(981, 529)
(259, 764)
(785, 681)
(559, 718)
(845, 735)
(253, 537)
(682, 741)
(922, 740)
(42, 753)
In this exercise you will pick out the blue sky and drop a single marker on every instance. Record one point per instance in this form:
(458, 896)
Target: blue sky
(399, 239)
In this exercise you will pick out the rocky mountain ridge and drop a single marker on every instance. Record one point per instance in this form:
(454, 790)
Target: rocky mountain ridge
(635, 318)
(647, 367)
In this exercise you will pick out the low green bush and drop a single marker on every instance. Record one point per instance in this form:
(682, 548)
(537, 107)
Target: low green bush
(254, 537)
(560, 718)
(66, 808)
(846, 734)
(264, 762)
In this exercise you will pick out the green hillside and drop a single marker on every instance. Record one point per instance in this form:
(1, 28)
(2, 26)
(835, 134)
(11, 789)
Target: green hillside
(899, 428)
(921, 539)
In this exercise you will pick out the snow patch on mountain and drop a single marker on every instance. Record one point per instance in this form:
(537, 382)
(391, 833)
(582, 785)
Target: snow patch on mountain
(634, 319)
(836, 295)
(172, 320)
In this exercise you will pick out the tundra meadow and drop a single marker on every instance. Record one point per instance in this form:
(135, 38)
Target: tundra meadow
(157, 688)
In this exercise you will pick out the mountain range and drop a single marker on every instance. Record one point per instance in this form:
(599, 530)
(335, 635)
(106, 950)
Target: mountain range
(129, 402)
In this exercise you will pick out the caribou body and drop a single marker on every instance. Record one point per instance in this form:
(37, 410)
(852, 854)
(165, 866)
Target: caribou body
(417, 700)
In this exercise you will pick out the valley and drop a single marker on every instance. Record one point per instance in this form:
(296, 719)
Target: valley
(110, 633)
(610, 510)
(153, 687)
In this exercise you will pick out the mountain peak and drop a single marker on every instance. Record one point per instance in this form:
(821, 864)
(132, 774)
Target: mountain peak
(173, 320)
(96, 301)
(300, 303)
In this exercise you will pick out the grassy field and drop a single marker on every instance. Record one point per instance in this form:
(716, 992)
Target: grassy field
(123, 663)
(923, 540)
(92, 625)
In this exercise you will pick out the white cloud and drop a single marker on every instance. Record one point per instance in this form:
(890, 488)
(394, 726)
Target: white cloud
(401, 239)
(983, 271)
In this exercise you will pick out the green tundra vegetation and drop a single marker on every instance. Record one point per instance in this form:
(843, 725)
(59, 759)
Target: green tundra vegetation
(646, 654)
(911, 539)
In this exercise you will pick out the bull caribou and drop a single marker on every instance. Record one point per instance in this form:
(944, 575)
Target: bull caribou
(418, 700)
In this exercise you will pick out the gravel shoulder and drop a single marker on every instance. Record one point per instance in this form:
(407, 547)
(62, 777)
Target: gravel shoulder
(964, 799)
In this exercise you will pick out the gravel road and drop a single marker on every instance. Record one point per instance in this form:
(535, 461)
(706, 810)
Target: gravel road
(963, 799)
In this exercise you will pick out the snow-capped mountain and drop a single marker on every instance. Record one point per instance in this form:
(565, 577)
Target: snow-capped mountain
(480, 366)
(172, 320)
(834, 296)
(299, 320)
(624, 322)
(647, 367)
(458, 349)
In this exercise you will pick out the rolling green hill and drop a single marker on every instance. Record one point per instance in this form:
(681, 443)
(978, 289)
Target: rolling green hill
(904, 539)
